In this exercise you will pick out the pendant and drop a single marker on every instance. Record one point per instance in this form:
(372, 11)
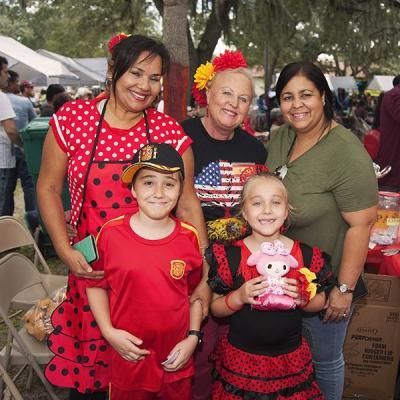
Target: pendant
(281, 172)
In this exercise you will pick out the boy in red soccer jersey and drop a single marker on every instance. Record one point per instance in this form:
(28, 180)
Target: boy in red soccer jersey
(151, 263)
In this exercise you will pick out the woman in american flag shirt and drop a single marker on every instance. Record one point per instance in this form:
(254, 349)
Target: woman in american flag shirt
(225, 155)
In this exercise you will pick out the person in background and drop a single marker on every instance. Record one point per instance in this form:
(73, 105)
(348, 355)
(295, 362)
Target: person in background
(389, 146)
(93, 142)
(333, 191)
(27, 90)
(84, 93)
(60, 99)
(224, 156)
(24, 113)
(47, 109)
(8, 135)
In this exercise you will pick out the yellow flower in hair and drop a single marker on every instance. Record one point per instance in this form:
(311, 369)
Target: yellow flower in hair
(204, 73)
(310, 276)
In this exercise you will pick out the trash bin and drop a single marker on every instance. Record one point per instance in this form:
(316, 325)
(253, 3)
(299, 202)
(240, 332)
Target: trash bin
(33, 138)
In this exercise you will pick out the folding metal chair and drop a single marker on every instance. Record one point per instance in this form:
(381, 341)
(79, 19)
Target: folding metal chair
(10, 386)
(17, 273)
(13, 235)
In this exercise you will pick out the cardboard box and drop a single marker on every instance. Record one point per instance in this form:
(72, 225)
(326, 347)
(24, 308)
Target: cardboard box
(372, 346)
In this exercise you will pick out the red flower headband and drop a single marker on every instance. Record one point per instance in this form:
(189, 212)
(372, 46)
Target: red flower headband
(206, 72)
(115, 40)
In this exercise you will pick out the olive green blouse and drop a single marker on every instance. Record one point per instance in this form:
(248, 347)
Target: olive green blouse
(336, 175)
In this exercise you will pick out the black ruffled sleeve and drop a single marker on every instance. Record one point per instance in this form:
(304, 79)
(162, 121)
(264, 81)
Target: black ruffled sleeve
(219, 276)
(320, 264)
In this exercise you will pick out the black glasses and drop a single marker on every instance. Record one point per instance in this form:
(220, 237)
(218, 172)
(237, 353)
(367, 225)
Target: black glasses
(281, 171)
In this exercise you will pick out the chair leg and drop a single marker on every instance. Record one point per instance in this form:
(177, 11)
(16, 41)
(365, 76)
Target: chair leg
(29, 380)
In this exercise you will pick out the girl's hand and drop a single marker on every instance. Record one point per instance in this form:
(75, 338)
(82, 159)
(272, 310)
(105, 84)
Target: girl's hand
(126, 344)
(185, 348)
(248, 291)
(77, 264)
(338, 306)
(291, 289)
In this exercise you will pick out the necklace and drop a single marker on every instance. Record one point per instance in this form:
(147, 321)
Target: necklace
(282, 170)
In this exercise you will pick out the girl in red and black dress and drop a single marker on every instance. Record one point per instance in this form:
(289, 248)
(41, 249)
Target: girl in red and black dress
(264, 355)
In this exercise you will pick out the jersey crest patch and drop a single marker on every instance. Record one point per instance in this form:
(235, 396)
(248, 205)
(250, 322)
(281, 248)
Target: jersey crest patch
(177, 269)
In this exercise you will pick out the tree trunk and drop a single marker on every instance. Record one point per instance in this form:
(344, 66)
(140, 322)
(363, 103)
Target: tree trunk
(175, 37)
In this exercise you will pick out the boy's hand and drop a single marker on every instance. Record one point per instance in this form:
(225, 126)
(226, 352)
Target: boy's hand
(185, 348)
(126, 344)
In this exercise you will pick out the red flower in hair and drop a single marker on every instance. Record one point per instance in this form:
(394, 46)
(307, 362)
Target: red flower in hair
(229, 60)
(115, 40)
(199, 96)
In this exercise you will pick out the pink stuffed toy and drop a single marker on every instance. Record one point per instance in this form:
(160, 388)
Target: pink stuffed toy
(273, 261)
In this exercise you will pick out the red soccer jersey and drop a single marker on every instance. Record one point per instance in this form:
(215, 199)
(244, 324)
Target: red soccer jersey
(149, 284)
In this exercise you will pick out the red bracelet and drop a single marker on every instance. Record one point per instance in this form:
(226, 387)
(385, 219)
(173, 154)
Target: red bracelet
(227, 304)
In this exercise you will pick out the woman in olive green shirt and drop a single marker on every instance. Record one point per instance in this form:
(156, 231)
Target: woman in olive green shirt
(333, 191)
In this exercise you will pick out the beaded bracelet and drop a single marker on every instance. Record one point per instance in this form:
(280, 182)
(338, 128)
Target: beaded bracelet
(227, 304)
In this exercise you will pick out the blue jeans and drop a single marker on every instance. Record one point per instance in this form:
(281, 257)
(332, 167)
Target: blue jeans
(20, 171)
(4, 177)
(326, 341)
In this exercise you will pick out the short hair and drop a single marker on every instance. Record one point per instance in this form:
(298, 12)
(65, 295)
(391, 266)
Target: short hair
(396, 80)
(59, 100)
(3, 61)
(127, 51)
(244, 71)
(52, 90)
(313, 74)
(12, 76)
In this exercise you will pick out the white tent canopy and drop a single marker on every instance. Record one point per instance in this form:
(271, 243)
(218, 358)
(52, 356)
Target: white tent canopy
(30, 65)
(96, 64)
(87, 77)
(382, 83)
(344, 82)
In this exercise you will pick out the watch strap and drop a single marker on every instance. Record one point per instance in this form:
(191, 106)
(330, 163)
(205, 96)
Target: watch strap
(198, 334)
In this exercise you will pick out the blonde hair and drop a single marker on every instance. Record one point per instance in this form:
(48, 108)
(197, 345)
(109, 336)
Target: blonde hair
(244, 71)
(267, 176)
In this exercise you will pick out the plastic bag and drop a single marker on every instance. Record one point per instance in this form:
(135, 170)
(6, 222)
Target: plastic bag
(38, 317)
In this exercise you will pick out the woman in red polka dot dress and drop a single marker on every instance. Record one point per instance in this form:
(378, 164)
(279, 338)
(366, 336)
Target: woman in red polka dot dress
(264, 356)
(93, 142)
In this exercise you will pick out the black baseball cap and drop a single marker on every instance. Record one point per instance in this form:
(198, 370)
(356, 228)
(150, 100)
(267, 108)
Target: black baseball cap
(160, 157)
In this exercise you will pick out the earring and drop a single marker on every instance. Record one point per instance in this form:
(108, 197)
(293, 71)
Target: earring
(108, 83)
(323, 102)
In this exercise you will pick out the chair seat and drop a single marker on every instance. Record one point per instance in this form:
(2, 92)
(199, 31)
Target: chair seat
(26, 298)
(39, 350)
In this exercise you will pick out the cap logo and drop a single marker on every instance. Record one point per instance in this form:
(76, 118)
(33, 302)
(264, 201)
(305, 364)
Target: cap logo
(177, 268)
(147, 153)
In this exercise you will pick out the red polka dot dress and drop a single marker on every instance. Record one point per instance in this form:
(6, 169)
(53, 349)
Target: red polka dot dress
(95, 164)
(263, 356)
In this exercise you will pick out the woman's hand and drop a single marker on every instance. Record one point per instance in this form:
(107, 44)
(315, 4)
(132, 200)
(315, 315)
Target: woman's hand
(247, 293)
(77, 264)
(126, 344)
(338, 306)
(71, 230)
(185, 349)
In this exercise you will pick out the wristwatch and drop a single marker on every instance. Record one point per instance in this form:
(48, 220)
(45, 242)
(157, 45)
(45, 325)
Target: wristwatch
(199, 335)
(343, 288)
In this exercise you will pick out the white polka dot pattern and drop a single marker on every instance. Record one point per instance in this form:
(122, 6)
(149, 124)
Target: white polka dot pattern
(75, 131)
